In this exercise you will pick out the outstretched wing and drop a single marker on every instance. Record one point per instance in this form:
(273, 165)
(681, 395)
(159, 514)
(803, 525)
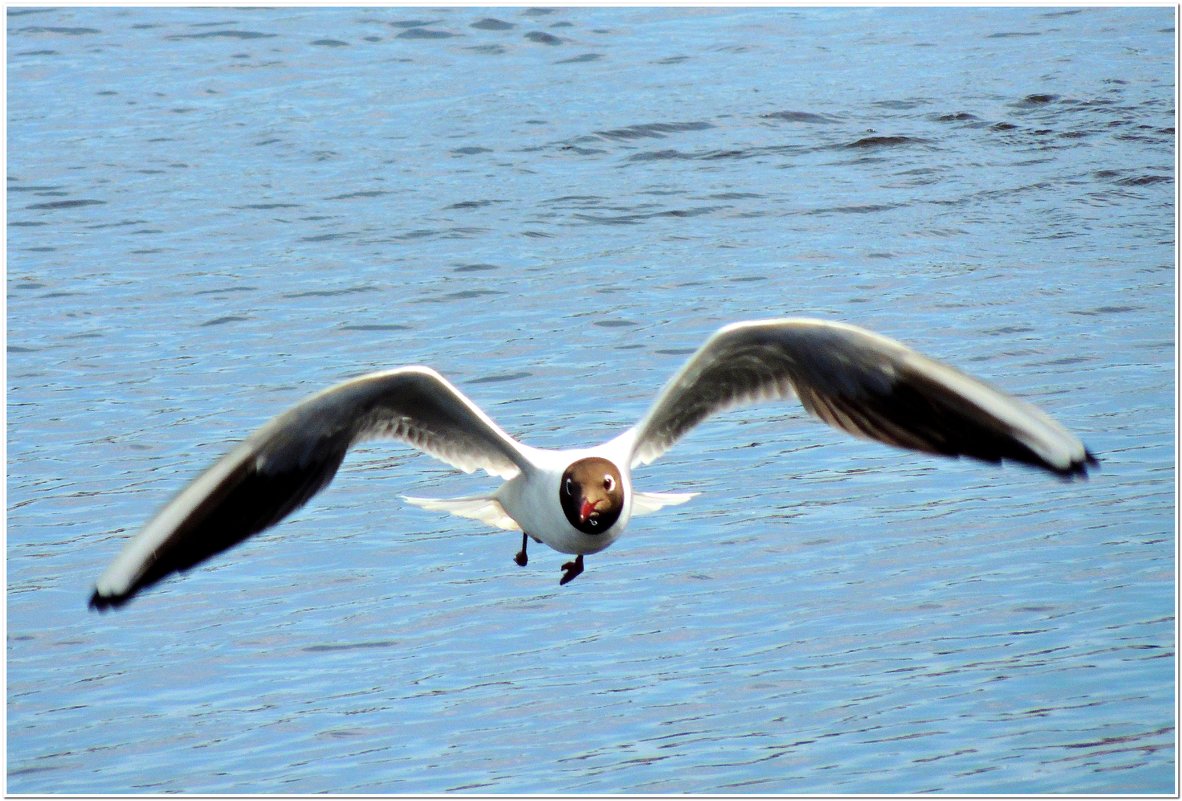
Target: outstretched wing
(293, 457)
(862, 383)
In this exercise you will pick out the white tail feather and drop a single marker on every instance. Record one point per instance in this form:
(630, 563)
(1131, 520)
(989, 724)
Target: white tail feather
(482, 508)
(644, 503)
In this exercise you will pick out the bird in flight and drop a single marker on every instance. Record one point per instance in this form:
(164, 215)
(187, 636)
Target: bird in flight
(579, 501)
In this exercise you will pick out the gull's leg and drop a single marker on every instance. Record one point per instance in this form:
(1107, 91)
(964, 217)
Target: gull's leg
(572, 569)
(521, 557)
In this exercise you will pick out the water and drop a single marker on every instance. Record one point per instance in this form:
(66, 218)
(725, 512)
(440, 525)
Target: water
(213, 212)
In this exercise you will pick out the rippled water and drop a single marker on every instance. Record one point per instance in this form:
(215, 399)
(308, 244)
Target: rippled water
(212, 212)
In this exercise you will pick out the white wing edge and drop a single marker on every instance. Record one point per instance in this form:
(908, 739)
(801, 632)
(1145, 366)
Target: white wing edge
(133, 559)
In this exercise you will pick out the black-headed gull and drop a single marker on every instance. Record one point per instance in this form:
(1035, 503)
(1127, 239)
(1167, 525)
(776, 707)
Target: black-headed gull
(579, 501)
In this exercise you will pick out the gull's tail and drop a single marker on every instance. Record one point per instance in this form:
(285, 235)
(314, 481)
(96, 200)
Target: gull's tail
(483, 508)
(644, 503)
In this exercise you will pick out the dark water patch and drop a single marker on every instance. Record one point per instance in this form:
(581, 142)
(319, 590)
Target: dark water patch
(469, 294)
(1003, 126)
(352, 646)
(712, 155)
(37, 53)
(59, 30)
(1035, 101)
(475, 268)
(424, 33)
(541, 37)
(655, 130)
(471, 204)
(229, 318)
(66, 204)
(492, 24)
(47, 188)
(708, 155)
(901, 105)
(869, 208)
(581, 201)
(462, 294)
(800, 116)
(328, 293)
(582, 151)
(639, 217)
(659, 155)
(957, 116)
(883, 141)
(328, 43)
(413, 23)
(1105, 310)
(35, 769)
(499, 377)
(583, 59)
(615, 323)
(1066, 360)
(471, 150)
(1145, 180)
(228, 34)
(1121, 178)
(374, 327)
(1007, 330)
(226, 289)
(419, 233)
(1012, 34)
(361, 194)
(487, 50)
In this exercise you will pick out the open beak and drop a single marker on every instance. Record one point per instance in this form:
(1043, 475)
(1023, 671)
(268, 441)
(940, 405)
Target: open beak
(586, 510)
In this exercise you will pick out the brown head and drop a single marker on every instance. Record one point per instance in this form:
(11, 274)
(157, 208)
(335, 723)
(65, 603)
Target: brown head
(592, 495)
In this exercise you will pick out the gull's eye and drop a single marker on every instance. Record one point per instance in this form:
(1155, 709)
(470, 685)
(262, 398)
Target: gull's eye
(569, 486)
(609, 483)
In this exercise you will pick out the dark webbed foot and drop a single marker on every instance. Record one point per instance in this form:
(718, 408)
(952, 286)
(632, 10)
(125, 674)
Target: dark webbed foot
(521, 558)
(572, 569)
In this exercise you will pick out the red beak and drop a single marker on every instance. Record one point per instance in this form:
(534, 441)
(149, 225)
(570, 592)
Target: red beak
(586, 509)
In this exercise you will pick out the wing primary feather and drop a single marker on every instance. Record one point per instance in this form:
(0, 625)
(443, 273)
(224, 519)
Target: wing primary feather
(862, 383)
(294, 456)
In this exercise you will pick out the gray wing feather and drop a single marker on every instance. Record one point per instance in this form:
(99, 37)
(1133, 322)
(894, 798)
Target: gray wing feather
(291, 458)
(862, 383)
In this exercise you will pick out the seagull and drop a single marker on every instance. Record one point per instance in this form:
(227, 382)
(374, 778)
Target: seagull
(579, 501)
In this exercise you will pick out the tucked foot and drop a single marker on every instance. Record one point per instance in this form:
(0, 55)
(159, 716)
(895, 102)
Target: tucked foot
(521, 558)
(572, 569)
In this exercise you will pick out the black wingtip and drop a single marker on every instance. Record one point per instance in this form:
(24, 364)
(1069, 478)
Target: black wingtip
(101, 603)
(1080, 469)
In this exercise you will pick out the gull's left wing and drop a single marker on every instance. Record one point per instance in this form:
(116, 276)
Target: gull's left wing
(862, 383)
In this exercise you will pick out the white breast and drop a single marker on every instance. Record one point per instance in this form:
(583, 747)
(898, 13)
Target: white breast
(532, 499)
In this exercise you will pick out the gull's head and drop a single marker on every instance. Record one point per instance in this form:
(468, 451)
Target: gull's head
(592, 494)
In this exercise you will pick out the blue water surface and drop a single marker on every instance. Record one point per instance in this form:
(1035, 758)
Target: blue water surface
(213, 212)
